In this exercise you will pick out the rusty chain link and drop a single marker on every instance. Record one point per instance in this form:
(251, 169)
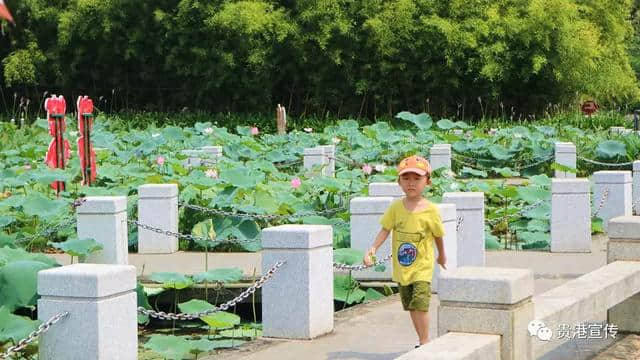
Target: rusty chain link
(224, 307)
(42, 328)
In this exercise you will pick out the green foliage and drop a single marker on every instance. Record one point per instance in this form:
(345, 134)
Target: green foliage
(362, 58)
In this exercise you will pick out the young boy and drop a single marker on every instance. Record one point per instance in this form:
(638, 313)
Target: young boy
(416, 223)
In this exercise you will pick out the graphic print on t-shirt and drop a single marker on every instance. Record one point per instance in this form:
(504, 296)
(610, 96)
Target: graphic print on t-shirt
(407, 254)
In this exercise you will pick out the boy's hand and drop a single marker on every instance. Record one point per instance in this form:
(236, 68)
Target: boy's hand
(367, 257)
(442, 260)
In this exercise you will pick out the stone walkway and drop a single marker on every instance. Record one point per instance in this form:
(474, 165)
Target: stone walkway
(382, 330)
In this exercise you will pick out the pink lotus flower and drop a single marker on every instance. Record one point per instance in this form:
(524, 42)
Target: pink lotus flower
(295, 183)
(308, 130)
(27, 166)
(254, 131)
(160, 160)
(208, 131)
(212, 173)
(335, 140)
(367, 169)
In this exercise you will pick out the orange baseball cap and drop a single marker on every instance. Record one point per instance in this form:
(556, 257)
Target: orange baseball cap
(416, 164)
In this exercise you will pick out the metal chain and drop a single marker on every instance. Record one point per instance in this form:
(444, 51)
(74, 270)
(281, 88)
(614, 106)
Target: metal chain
(605, 194)
(44, 327)
(52, 229)
(259, 216)
(458, 223)
(475, 166)
(224, 307)
(534, 164)
(187, 236)
(362, 266)
(288, 163)
(604, 163)
(343, 160)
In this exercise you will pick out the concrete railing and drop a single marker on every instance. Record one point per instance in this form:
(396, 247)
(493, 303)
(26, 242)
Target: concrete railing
(498, 301)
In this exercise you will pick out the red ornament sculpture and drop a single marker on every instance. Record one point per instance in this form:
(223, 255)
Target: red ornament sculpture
(59, 150)
(589, 107)
(85, 147)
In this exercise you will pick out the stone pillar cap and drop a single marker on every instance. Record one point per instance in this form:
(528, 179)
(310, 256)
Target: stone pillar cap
(612, 176)
(157, 190)
(570, 186)
(385, 189)
(313, 151)
(87, 280)
(624, 227)
(370, 205)
(636, 164)
(465, 200)
(489, 285)
(103, 205)
(297, 236)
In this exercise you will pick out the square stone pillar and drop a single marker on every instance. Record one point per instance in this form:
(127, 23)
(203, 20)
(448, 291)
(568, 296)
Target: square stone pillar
(565, 154)
(440, 156)
(365, 225)
(330, 155)
(636, 188)
(297, 302)
(570, 215)
(450, 243)
(389, 189)
(470, 235)
(617, 186)
(157, 207)
(489, 300)
(207, 155)
(624, 245)
(102, 321)
(314, 156)
(104, 219)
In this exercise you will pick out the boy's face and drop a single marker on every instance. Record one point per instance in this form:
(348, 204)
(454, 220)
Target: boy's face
(413, 184)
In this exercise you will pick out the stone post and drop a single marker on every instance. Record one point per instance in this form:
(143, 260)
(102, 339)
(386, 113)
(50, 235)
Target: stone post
(330, 155)
(314, 156)
(470, 235)
(617, 186)
(565, 154)
(104, 219)
(489, 300)
(158, 207)
(305, 281)
(570, 215)
(365, 225)
(636, 187)
(102, 321)
(207, 155)
(440, 156)
(624, 245)
(450, 243)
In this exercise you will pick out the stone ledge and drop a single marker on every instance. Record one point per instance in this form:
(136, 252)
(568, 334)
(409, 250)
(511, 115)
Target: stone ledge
(474, 284)
(465, 200)
(374, 205)
(624, 227)
(457, 346)
(612, 177)
(570, 186)
(158, 191)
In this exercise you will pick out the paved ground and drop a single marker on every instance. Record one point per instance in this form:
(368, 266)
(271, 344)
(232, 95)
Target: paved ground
(382, 330)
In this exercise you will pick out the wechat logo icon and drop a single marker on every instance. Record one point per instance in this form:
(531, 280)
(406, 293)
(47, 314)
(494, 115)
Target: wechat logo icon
(539, 329)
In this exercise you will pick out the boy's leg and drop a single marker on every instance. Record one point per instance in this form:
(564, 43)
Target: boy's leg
(420, 321)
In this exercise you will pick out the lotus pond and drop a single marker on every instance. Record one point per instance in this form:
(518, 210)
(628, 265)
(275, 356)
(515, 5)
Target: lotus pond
(262, 174)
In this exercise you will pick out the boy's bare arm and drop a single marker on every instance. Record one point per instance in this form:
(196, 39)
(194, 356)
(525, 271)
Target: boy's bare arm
(442, 257)
(380, 238)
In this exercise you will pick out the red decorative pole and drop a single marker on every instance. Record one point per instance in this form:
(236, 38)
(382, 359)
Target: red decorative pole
(59, 149)
(85, 147)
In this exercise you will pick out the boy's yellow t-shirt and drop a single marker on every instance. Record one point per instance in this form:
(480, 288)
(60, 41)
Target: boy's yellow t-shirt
(412, 241)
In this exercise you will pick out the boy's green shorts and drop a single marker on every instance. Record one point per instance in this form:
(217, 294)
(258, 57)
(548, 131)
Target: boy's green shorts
(415, 296)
